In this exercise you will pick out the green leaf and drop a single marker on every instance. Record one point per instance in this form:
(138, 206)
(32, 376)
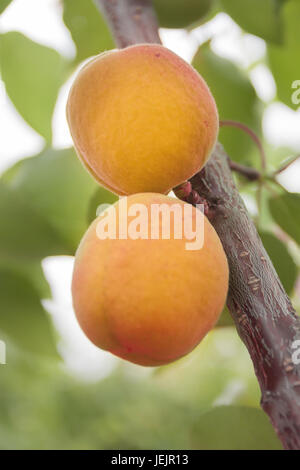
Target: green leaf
(285, 210)
(284, 59)
(285, 68)
(32, 271)
(283, 262)
(259, 17)
(234, 428)
(59, 189)
(22, 317)
(4, 4)
(32, 74)
(291, 14)
(25, 235)
(180, 13)
(219, 363)
(87, 27)
(101, 196)
(225, 319)
(235, 97)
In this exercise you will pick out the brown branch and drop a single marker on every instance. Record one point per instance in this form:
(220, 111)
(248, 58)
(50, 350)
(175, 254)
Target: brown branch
(131, 21)
(286, 165)
(250, 173)
(261, 309)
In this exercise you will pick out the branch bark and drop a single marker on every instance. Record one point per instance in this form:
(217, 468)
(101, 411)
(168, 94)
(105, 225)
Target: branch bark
(262, 311)
(131, 21)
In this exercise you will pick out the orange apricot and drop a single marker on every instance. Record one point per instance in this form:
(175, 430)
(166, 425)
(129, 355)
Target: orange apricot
(148, 299)
(142, 119)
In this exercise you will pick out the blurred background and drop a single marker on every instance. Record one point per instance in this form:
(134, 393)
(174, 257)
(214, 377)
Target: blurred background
(57, 390)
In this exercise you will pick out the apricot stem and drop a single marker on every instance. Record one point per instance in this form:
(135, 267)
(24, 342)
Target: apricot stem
(250, 173)
(183, 190)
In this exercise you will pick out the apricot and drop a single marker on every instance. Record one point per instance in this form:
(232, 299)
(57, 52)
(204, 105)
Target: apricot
(142, 119)
(148, 300)
(180, 13)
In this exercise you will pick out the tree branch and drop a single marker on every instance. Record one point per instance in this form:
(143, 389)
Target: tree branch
(131, 21)
(250, 173)
(261, 309)
(252, 135)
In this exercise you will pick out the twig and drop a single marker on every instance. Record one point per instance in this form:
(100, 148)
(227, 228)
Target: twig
(252, 135)
(250, 173)
(261, 309)
(289, 162)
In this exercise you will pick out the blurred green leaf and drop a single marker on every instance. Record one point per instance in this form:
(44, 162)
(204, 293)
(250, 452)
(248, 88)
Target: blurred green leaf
(225, 318)
(283, 262)
(22, 316)
(25, 235)
(284, 59)
(32, 74)
(286, 69)
(218, 371)
(285, 210)
(4, 4)
(259, 17)
(236, 428)
(291, 16)
(57, 186)
(130, 409)
(62, 413)
(101, 196)
(180, 13)
(87, 27)
(32, 271)
(235, 97)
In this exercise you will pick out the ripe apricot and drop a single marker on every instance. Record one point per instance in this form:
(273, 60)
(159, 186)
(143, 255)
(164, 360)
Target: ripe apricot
(142, 119)
(148, 300)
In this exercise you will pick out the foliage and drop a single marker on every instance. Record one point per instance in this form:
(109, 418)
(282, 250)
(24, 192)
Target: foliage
(4, 4)
(285, 211)
(42, 70)
(260, 17)
(281, 259)
(283, 64)
(209, 399)
(180, 13)
(225, 80)
(87, 27)
(124, 411)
